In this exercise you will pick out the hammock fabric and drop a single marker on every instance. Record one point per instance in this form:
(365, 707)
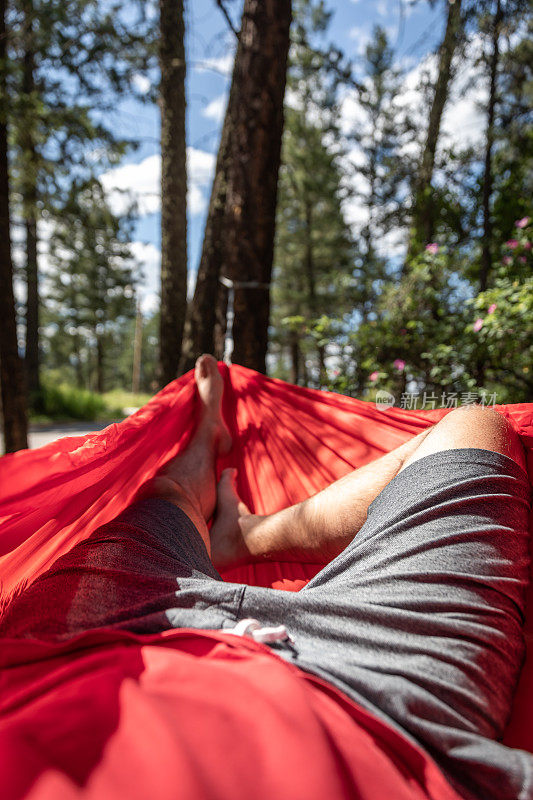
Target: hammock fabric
(289, 443)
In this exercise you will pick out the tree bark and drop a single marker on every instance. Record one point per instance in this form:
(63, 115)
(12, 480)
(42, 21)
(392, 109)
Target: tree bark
(295, 356)
(29, 193)
(137, 351)
(173, 187)
(309, 268)
(486, 253)
(423, 216)
(32, 305)
(99, 364)
(243, 195)
(254, 158)
(11, 369)
(221, 321)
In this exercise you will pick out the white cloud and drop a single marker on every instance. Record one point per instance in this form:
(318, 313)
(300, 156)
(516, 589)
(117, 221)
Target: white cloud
(196, 199)
(382, 8)
(362, 38)
(222, 65)
(140, 82)
(134, 183)
(216, 108)
(200, 166)
(463, 121)
(149, 258)
(140, 183)
(463, 125)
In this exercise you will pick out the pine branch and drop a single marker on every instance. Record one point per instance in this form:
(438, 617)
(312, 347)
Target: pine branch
(221, 5)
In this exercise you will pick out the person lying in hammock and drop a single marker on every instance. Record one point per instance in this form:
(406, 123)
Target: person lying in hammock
(417, 617)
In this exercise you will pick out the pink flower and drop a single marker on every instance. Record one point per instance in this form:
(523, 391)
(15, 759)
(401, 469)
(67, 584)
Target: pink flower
(522, 259)
(521, 223)
(507, 260)
(373, 376)
(336, 373)
(478, 324)
(492, 308)
(399, 364)
(527, 246)
(512, 243)
(432, 248)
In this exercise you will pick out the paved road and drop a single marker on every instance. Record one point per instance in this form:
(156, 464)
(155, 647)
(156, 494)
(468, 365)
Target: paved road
(43, 434)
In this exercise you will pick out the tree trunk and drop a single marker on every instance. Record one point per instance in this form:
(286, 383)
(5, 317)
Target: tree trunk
(137, 351)
(309, 268)
(80, 380)
(239, 232)
(423, 217)
(295, 356)
(173, 187)
(32, 305)
(11, 369)
(29, 203)
(486, 253)
(99, 364)
(221, 322)
(253, 164)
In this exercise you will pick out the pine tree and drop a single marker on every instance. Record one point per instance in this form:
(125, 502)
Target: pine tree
(423, 211)
(381, 135)
(314, 255)
(92, 282)
(245, 188)
(69, 62)
(11, 373)
(173, 187)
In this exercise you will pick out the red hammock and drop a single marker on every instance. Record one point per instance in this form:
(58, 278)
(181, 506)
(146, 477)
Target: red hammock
(289, 442)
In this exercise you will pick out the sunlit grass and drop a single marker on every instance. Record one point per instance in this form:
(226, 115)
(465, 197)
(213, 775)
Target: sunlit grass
(62, 402)
(121, 398)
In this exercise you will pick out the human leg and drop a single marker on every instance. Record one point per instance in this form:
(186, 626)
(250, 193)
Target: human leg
(471, 426)
(188, 481)
(319, 528)
(126, 573)
(316, 529)
(420, 617)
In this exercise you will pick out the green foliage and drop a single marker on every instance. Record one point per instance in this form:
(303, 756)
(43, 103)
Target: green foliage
(419, 328)
(91, 288)
(119, 398)
(504, 318)
(59, 401)
(314, 253)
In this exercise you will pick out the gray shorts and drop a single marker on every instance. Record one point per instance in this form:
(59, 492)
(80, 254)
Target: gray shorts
(418, 620)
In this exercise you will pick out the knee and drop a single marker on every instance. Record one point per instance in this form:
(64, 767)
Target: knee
(485, 428)
(476, 415)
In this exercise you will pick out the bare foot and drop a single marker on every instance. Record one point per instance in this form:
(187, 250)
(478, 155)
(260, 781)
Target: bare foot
(192, 473)
(211, 388)
(232, 526)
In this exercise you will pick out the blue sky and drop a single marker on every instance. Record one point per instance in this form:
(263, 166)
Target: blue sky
(414, 30)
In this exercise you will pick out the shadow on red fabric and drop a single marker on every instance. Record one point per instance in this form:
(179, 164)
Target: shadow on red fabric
(289, 442)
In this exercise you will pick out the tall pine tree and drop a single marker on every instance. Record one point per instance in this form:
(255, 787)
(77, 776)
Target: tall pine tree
(173, 187)
(314, 254)
(92, 283)
(70, 61)
(11, 374)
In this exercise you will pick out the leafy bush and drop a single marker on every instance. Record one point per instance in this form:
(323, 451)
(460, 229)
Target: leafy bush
(60, 401)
